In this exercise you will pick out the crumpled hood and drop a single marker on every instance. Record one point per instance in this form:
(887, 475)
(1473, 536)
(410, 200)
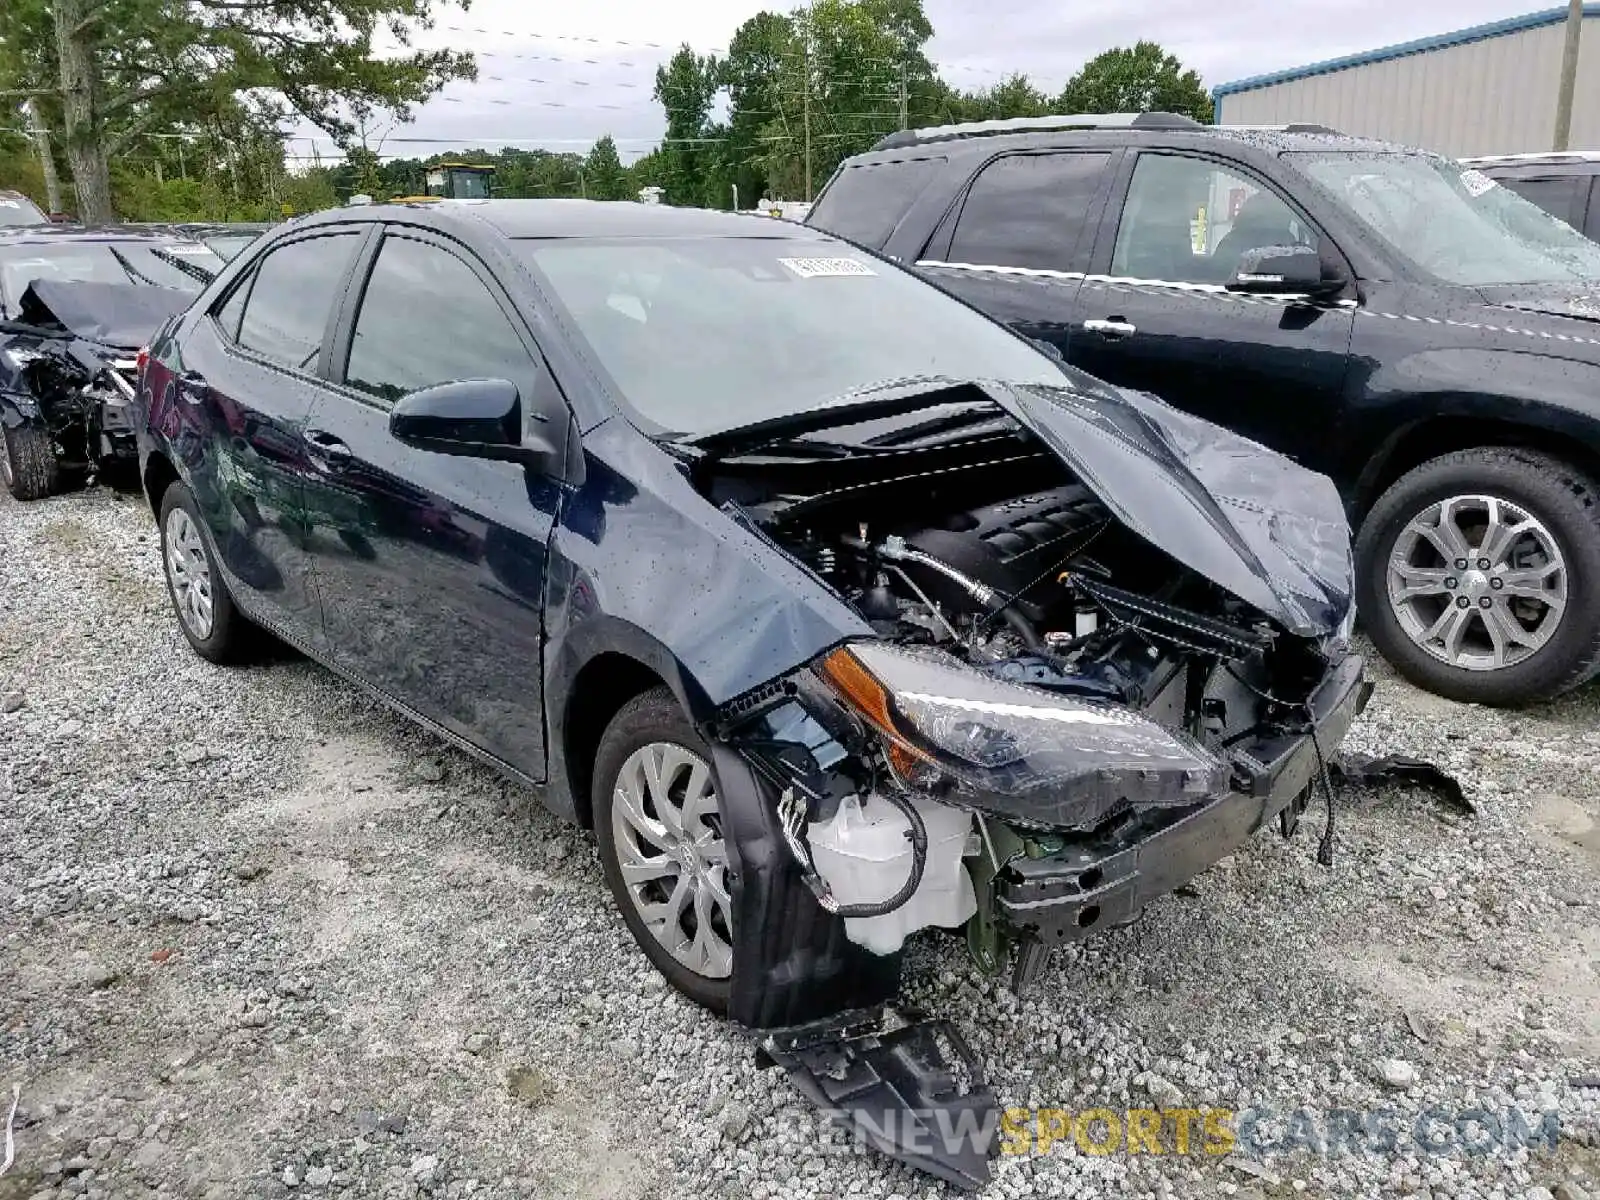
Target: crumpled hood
(120, 315)
(1250, 520)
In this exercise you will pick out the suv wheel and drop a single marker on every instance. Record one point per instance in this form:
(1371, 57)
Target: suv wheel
(1479, 576)
(658, 821)
(205, 610)
(27, 461)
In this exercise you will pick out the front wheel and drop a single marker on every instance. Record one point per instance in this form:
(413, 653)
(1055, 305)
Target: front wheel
(1479, 576)
(658, 822)
(200, 599)
(27, 462)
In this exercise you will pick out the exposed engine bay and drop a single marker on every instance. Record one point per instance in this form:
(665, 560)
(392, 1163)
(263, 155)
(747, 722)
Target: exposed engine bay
(1040, 740)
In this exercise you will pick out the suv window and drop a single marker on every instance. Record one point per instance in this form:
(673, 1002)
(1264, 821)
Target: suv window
(865, 203)
(1190, 220)
(286, 314)
(1562, 196)
(427, 318)
(1028, 210)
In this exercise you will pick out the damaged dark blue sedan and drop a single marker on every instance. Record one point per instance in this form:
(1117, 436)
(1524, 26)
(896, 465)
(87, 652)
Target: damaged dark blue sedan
(836, 610)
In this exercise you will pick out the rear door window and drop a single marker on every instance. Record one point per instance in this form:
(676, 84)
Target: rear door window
(1562, 196)
(286, 315)
(866, 202)
(1030, 210)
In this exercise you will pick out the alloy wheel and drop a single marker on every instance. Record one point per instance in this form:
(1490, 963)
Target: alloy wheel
(189, 574)
(1478, 582)
(667, 826)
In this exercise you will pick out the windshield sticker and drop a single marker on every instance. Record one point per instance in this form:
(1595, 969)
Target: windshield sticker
(186, 249)
(823, 268)
(1476, 183)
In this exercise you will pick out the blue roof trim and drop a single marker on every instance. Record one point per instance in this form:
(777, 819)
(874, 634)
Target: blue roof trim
(1461, 37)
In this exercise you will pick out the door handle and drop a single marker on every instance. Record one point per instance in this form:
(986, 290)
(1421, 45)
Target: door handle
(330, 450)
(1111, 327)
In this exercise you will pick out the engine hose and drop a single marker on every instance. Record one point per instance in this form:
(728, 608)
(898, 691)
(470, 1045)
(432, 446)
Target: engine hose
(1023, 629)
(919, 862)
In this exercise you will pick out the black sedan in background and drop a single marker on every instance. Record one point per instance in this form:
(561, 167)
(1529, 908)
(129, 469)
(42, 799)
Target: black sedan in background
(835, 609)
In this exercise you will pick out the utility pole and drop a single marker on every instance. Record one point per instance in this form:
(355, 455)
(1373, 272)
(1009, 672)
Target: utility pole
(736, 197)
(805, 96)
(903, 119)
(47, 162)
(1569, 75)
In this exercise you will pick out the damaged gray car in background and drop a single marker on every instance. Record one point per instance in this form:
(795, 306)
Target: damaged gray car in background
(75, 307)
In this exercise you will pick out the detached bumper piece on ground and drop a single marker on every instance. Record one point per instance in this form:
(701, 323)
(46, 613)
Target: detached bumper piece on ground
(67, 376)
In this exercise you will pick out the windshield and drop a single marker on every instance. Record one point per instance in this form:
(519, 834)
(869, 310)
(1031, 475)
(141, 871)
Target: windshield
(19, 210)
(707, 334)
(1453, 223)
(97, 262)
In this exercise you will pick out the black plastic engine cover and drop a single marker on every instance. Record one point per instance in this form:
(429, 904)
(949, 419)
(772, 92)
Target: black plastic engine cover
(1007, 544)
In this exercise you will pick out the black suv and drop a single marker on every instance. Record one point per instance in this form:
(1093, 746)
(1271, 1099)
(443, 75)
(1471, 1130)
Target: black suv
(1561, 183)
(1421, 334)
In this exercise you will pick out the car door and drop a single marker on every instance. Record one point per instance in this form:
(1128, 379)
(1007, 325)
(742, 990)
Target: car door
(249, 379)
(1016, 243)
(1155, 312)
(431, 566)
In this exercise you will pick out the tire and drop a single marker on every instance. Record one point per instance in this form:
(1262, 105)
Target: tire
(189, 565)
(27, 461)
(703, 967)
(1499, 648)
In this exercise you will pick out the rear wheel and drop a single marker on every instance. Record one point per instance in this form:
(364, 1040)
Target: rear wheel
(1480, 576)
(27, 461)
(658, 821)
(200, 599)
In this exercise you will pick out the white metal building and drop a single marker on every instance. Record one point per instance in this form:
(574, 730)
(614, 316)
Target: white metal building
(1490, 89)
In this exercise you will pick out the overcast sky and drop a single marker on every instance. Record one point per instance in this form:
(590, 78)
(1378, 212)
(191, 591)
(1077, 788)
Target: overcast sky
(559, 75)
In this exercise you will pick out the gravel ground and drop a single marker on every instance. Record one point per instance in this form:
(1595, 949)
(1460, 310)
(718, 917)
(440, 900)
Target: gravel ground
(262, 938)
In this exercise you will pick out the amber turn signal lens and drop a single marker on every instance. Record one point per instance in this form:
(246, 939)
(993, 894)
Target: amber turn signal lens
(867, 696)
(856, 684)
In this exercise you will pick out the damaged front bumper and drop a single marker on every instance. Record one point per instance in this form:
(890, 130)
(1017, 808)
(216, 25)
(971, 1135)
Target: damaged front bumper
(1086, 884)
(907, 1085)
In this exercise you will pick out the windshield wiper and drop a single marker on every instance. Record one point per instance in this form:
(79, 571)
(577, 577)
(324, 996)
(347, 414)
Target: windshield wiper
(133, 272)
(193, 270)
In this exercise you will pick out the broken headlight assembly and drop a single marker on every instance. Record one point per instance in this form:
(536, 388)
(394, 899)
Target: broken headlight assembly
(1040, 758)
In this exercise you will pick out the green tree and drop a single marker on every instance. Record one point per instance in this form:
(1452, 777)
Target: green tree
(1142, 79)
(751, 76)
(841, 85)
(685, 88)
(603, 175)
(111, 70)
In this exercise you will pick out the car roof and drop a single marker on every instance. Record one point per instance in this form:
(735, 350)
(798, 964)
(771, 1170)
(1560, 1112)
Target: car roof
(576, 219)
(1538, 158)
(1003, 136)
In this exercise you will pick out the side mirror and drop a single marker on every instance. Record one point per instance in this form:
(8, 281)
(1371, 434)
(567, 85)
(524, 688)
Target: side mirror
(1282, 269)
(482, 418)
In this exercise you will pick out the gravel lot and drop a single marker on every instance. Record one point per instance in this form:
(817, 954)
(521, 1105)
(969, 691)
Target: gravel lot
(262, 938)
